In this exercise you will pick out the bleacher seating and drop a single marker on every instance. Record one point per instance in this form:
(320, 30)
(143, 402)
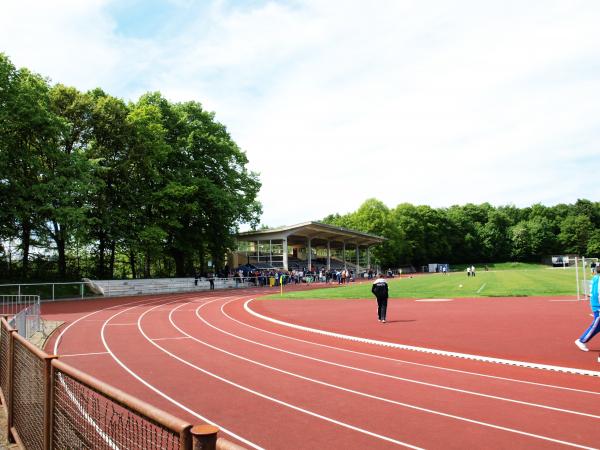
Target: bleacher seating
(117, 288)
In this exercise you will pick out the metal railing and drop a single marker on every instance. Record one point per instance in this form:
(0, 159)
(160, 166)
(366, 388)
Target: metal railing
(117, 288)
(49, 404)
(24, 313)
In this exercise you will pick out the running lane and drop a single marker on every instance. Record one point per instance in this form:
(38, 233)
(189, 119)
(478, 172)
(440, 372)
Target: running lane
(205, 358)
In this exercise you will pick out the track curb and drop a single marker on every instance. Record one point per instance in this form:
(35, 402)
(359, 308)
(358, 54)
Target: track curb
(433, 351)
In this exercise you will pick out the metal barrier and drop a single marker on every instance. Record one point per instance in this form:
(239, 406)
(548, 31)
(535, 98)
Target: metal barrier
(24, 312)
(49, 404)
(116, 288)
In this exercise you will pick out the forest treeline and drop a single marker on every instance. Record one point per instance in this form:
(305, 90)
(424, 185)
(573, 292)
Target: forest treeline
(418, 235)
(91, 185)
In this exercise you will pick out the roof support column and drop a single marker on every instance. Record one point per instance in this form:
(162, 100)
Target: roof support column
(328, 256)
(368, 258)
(258, 251)
(285, 254)
(309, 252)
(357, 261)
(344, 253)
(270, 252)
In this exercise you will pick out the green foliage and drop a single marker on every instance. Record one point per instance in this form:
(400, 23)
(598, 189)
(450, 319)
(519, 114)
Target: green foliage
(418, 235)
(151, 186)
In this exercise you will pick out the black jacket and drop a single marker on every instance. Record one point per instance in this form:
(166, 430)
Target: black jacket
(380, 288)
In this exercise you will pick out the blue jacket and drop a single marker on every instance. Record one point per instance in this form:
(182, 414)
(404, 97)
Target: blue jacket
(594, 303)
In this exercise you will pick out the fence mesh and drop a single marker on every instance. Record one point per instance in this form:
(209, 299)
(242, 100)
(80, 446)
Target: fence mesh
(28, 396)
(86, 419)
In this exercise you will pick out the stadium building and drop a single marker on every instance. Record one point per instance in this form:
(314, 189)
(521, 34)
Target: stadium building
(306, 246)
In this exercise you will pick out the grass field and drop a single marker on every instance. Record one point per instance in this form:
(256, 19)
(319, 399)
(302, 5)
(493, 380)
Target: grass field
(507, 280)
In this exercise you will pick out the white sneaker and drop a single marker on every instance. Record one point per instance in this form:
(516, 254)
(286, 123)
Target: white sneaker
(581, 346)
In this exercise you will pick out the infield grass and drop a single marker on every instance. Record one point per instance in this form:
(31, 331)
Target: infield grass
(524, 281)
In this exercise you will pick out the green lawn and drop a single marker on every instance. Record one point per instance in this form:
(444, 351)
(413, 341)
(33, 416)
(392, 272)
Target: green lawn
(526, 280)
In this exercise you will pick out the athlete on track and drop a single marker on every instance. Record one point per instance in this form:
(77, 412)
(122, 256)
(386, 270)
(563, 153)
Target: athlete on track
(380, 289)
(594, 328)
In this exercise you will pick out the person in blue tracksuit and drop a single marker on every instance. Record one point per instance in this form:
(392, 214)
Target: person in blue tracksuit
(380, 289)
(594, 328)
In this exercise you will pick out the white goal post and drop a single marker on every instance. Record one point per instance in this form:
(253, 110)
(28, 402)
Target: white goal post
(586, 264)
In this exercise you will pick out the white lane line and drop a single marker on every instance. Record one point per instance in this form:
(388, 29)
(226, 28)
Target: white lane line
(370, 372)
(403, 361)
(88, 418)
(83, 354)
(273, 399)
(432, 351)
(428, 300)
(407, 405)
(116, 324)
(161, 393)
(170, 338)
(84, 318)
(481, 288)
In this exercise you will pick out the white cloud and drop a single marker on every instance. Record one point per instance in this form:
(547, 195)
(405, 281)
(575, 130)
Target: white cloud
(338, 101)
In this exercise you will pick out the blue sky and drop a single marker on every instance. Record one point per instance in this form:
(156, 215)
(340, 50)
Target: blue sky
(427, 102)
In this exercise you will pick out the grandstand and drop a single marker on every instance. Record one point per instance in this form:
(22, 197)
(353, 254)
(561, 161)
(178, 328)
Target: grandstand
(309, 245)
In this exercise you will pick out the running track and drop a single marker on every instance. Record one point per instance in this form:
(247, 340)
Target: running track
(206, 358)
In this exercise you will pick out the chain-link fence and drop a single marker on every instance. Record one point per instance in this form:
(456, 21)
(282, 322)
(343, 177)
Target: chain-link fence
(50, 404)
(84, 417)
(28, 394)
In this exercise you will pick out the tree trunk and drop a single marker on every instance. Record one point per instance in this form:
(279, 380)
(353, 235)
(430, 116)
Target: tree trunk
(201, 259)
(111, 270)
(147, 266)
(179, 258)
(25, 243)
(62, 260)
(59, 239)
(132, 264)
(101, 252)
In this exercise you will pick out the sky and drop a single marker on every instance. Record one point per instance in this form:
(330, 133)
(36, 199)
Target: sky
(334, 102)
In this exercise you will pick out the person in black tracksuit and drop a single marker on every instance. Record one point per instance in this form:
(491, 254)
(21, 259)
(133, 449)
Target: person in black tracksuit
(380, 290)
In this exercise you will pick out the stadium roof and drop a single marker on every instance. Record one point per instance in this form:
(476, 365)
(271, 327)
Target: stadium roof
(316, 231)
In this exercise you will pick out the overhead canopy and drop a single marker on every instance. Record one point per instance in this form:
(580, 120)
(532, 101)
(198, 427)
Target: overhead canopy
(319, 233)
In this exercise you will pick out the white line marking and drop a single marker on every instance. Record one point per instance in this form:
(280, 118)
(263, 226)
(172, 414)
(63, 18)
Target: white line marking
(370, 372)
(418, 408)
(426, 300)
(273, 399)
(161, 393)
(481, 288)
(116, 324)
(386, 358)
(170, 338)
(84, 354)
(425, 349)
(70, 394)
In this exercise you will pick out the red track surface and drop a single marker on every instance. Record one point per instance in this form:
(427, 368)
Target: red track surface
(203, 357)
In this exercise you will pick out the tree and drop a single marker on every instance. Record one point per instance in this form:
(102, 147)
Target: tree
(593, 247)
(520, 241)
(575, 232)
(29, 132)
(495, 239)
(68, 172)
(110, 202)
(208, 177)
